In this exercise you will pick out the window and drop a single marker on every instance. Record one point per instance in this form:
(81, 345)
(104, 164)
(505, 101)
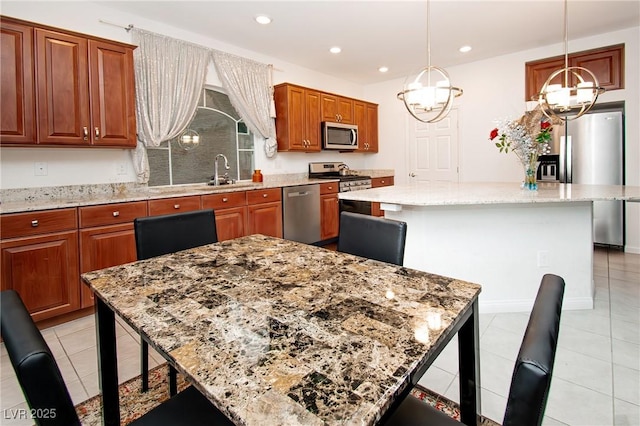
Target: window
(221, 131)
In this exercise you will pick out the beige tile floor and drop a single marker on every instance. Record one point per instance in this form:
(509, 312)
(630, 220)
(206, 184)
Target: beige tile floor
(596, 379)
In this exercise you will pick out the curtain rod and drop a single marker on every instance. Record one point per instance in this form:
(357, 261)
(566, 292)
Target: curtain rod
(131, 26)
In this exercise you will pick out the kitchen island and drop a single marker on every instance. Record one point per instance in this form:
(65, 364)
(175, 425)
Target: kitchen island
(500, 236)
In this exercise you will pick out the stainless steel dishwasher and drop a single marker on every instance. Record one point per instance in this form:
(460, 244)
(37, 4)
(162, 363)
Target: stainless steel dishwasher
(301, 211)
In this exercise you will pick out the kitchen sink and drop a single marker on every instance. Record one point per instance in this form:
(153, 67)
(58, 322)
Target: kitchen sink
(199, 187)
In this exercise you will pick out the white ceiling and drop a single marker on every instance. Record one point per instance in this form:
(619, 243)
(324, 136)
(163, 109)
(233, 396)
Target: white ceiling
(390, 33)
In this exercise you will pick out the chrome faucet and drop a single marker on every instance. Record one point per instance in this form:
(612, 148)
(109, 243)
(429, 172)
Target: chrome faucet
(216, 178)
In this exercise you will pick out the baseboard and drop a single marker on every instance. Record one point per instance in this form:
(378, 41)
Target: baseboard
(630, 249)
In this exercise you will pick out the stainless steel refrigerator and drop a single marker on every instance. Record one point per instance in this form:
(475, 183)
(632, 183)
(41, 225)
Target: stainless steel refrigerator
(591, 151)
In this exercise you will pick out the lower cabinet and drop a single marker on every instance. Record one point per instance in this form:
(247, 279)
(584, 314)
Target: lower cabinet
(107, 238)
(377, 183)
(329, 210)
(40, 260)
(265, 212)
(231, 213)
(174, 205)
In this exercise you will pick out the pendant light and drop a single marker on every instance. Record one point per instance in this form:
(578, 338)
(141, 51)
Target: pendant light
(577, 93)
(429, 96)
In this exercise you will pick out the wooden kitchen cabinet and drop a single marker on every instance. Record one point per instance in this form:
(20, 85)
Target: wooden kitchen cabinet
(377, 183)
(366, 118)
(297, 118)
(107, 238)
(17, 96)
(40, 260)
(84, 89)
(265, 212)
(329, 210)
(174, 205)
(337, 109)
(607, 63)
(231, 213)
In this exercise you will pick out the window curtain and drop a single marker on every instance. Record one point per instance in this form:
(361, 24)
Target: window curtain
(250, 90)
(169, 76)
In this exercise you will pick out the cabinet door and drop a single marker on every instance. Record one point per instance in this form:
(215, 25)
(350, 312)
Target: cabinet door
(345, 110)
(62, 89)
(537, 73)
(43, 269)
(231, 223)
(329, 108)
(174, 205)
(372, 127)
(606, 64)
(265, 219)
(360, 120)
(103, 247)
(17, 97)
(329, 216)
(312, 120)
(113, 120)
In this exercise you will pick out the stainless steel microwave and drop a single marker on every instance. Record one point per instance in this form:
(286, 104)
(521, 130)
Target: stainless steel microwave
(339, 136)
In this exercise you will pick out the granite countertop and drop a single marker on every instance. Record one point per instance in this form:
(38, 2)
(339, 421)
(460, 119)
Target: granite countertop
(277, 332)
(445, 193)
(56, 197)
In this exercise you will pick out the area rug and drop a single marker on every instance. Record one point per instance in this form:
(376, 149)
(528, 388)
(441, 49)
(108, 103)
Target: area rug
(134, 404)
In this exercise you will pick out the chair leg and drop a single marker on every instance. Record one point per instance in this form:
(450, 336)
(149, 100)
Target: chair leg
(173, 381)
(144, 364)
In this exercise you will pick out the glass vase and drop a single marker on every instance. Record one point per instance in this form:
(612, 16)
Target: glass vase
(531, 175)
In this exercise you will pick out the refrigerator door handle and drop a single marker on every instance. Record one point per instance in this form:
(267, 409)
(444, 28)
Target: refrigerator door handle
(562, 176)
(568, 155)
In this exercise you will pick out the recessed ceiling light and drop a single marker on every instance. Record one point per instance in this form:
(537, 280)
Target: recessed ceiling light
(465, 49)
(335, 49)
(383, 69)
(263, 19)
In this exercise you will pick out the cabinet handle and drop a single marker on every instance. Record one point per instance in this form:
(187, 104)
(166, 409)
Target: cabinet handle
(85, 133)
(34, 223)
(97, 133)
(116, 213)
(264, 195)
(225, 199)
(382, 181)
(176, 206)
(330, 187)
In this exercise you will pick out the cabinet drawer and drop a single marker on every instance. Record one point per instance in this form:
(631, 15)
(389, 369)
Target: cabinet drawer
(111, 214)
(264, 196)
(224, 201)
(329, 188)
(40, 222)
(174, 205)
(382, 181)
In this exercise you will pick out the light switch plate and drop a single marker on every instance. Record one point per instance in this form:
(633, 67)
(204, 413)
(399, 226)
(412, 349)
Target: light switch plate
(40, 168)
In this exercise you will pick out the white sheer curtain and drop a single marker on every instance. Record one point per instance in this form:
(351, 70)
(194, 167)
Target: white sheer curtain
(170, 76)
(248, 85)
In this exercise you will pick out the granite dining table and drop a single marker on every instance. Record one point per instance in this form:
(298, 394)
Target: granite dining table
(276, 332)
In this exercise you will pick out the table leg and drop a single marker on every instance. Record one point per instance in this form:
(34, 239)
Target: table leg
(469, 365)
(107, 363)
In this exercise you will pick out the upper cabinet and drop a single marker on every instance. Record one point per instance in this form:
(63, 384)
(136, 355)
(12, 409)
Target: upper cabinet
(337, 109)
(84, 90)
(606, 63)
(300, 111)
(297, 118)
(366, 118)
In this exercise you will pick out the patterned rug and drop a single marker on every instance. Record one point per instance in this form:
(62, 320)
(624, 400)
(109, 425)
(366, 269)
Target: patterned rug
(134, 404)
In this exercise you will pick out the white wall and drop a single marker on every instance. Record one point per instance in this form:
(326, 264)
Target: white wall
(69, 166)
(494, 89)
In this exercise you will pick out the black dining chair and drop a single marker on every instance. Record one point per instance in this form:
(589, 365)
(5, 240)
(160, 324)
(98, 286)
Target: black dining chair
(531, 377)
(158, 235)
(372, 237)
(46, 392)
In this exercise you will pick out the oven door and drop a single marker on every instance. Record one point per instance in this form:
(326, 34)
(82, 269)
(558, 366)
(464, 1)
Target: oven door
(362, 207)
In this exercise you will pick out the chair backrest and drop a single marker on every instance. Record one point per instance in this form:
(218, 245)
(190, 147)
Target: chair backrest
(372, 237)
(34, 364)
(158, 235)
(532, 372)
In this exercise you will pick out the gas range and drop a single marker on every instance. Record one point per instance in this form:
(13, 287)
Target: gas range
(332, 171)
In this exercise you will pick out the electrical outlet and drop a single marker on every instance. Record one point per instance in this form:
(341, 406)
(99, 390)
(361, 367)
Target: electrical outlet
(543, 258)
(40, 169)
(121, 169)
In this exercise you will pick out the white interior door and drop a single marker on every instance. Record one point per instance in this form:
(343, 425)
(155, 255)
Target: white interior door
(433, 150)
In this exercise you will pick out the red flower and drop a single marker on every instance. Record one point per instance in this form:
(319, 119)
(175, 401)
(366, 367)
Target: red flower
(545, 125)
(494, 134)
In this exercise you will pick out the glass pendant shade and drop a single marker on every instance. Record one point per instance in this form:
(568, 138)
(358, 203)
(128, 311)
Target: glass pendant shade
(188, 140)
